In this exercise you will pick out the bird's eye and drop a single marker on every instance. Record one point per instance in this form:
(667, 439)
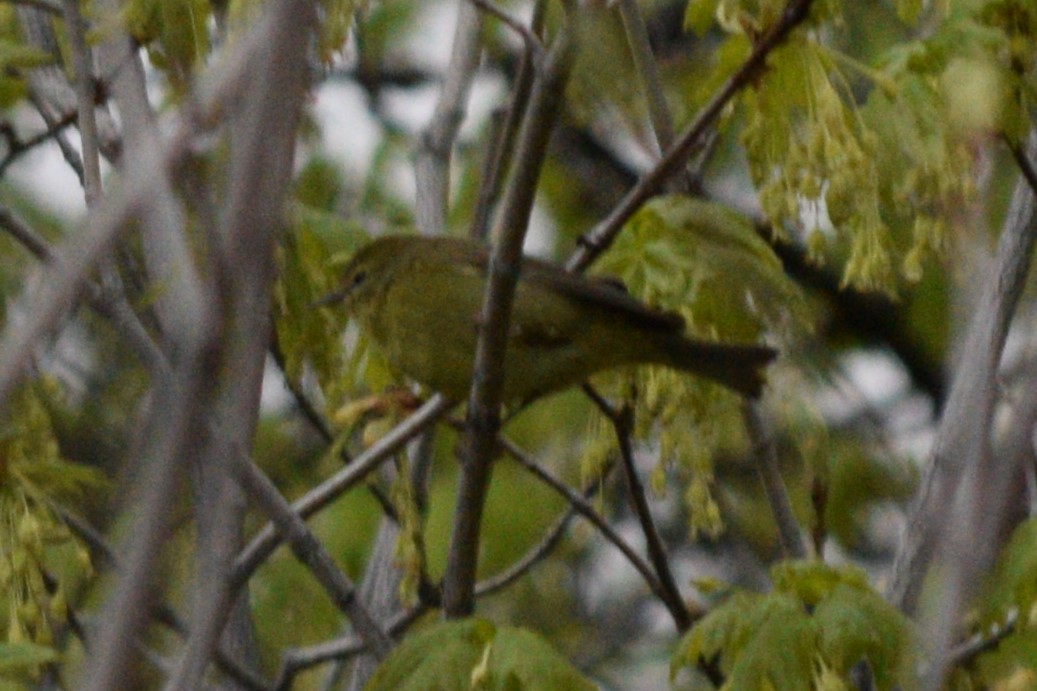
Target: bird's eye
(358, 278)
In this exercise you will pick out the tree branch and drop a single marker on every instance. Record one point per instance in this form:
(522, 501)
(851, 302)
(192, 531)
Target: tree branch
(651, 83)
(483, 419)
(432, 164)
(595, 241)
(952, 497)
(264, 543)
(310, 552)
(581, 506)
(668, 591)
(766, 455)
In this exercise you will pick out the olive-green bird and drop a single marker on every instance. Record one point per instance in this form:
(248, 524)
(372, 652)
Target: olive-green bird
(419, 299)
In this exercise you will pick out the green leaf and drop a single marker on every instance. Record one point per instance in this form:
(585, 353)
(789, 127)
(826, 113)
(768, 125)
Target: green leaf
(336, 18)
(24, 656)
(174, 32)
(707, 262)
(811, 581)
(762, 642)
(909, 10)
(815, 614)
(474, 653)
(1013, 585)
(15, 55)
(307, 259)
(855, 624)
(699, 14)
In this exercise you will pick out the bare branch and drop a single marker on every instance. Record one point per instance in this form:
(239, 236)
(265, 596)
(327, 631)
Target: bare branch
(46, 5)
(16, 148)
(101, 552)
(432, 164)
(311, 553)
(648, 70)
(175, 425)
(766, 456)
(953, 496)
(533, 45)
(668, 591)
(340, 649)
(73, 260)
(267, 539)
(68, 152)
(306, 407)
(82, 63)
(488, 377)
(581, 506)
(262, 137)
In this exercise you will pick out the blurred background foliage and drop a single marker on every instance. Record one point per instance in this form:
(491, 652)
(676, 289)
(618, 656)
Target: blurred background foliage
(839, 213)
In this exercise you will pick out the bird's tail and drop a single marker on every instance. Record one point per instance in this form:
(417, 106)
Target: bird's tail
(737, 366)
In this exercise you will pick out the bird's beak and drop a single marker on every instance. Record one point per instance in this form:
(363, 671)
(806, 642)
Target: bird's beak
(330, 298)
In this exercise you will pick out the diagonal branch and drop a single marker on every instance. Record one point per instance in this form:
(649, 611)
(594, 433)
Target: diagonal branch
(432, 163)
(264, 543)
(648, 70)
(311, 553)
(668, 592)
(581, 506)
(595, 241)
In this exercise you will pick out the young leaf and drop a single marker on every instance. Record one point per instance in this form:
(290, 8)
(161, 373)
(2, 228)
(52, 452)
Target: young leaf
(707, 262)
(819, 620)
(18, 659)
(856, 624)
(474, 653)
(306, 333)
(762, 641)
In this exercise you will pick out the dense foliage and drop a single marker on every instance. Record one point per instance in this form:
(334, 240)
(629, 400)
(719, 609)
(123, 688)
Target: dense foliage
(850, 183)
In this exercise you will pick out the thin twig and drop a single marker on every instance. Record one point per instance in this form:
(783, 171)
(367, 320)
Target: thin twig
(171, 436)
(532, 42)
(17, 148)
(46, 5)
(490, 176)
(311, 553)
(432, 163)
(765, 454)
(581, 506)
(648, 71)
(82, 63)
(499, 160)
(26, 236)
(339, 649)
(267, 539)
(80, 254)
(302, 401)
(668, 592)
(595, 241)
(68, 152)
(1025, 166)
(980, 643)
(101, 551)
(551, 539)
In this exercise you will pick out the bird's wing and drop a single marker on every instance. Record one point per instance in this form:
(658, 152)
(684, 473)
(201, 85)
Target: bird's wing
(603, 293)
